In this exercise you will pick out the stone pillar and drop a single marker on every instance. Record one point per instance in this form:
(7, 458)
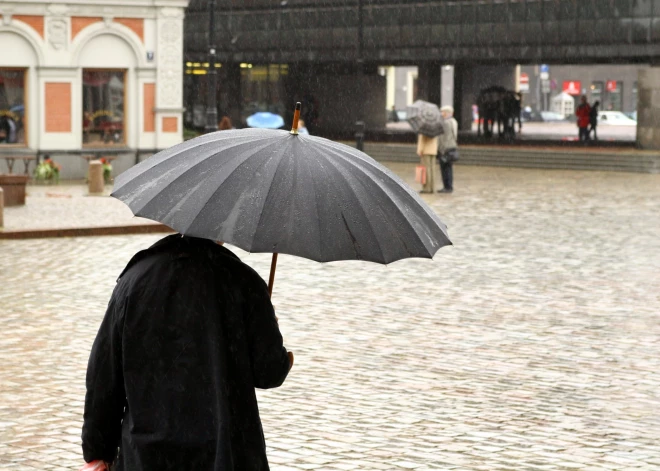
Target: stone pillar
(95, 181)
(2, 207)
(429, 82)
(169, 82)
(648, 108)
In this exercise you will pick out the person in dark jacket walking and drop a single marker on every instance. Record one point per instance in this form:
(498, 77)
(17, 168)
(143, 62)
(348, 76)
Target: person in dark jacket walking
(188, 334)
(583, 111)
(593, 119)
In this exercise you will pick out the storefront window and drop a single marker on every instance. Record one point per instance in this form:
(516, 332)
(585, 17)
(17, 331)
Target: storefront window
(262, 88)
(597, 92)
(103, 107)
(614, 98)
(12, 106)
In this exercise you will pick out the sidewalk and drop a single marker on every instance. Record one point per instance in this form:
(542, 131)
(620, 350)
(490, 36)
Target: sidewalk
(56, 210)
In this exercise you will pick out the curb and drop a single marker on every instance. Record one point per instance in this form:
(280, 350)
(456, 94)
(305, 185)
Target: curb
(85, 231)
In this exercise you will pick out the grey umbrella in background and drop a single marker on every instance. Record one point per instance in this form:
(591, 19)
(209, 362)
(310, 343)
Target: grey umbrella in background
(425, 118)
(274, 191)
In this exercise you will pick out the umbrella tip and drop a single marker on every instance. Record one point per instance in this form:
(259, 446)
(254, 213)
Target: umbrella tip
(296, 117)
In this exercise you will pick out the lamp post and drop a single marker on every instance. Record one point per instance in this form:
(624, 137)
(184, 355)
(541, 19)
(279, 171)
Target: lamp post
(211, 75)
(359, 122)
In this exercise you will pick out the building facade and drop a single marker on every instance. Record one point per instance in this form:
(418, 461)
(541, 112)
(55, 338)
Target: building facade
(94, 75)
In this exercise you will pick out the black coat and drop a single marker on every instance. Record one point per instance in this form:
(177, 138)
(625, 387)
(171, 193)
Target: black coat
(189, 333)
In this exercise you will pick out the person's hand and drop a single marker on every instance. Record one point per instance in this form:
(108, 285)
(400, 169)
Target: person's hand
(290, 354)
(96, 465)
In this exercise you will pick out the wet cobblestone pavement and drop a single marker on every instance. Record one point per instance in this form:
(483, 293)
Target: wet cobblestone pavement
(532, 344)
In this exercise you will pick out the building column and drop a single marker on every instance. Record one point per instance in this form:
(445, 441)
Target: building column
(429, 82)
(169, 82)
(648, 108)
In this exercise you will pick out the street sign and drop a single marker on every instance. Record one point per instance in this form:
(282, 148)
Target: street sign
(572, 87)
(524, 82)
(545, 86)
(544, 71)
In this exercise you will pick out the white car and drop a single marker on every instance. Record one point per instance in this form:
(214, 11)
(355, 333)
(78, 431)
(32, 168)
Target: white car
(616, 118)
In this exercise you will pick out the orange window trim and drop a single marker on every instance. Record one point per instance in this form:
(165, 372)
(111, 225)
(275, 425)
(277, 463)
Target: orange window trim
(78, 23)
(149, 103)
(135, 24)
(33, 21)
(170, 124)
(58, 107)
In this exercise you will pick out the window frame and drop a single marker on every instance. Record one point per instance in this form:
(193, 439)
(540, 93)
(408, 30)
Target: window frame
(26, 127)
(125, 102)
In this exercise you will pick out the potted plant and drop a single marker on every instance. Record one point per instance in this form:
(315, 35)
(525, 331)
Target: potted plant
(47, 171)
(107, 170)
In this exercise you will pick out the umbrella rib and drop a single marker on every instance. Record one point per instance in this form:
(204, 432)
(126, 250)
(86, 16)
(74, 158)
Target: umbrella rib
(206, 203)
(203, 141)
(270, 189)
(364, 213)
(383, 190)
(188, 170)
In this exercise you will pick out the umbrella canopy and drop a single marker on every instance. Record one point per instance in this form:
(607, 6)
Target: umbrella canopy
(275, 191)
(265, 120)
(425, 118)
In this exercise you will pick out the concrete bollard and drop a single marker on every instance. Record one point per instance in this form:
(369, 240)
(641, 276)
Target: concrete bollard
(2, 207)
(95, 182)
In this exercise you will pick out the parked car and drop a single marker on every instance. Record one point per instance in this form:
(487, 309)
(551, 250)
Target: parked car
(632, 115)
(551, 116)
(616, 118)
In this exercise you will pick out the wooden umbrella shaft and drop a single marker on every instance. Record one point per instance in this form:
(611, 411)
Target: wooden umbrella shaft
(271, 279)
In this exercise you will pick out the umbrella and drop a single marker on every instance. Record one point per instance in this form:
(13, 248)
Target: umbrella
(425, 118)
(275, 191)
(265, 120)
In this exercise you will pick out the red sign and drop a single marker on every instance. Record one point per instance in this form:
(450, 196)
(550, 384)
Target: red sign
(572, 87)
(524, 78)
(611, 86)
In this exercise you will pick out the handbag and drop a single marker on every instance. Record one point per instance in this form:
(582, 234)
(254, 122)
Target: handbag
(420, 174)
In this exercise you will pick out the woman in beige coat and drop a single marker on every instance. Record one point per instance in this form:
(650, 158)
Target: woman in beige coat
(427, 149)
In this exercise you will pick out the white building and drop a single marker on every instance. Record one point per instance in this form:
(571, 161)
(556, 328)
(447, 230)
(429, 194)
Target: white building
(89, 76)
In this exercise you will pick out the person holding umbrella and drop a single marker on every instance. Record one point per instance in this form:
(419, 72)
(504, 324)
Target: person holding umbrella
(425, 119)
(183, 361)
(188, 334)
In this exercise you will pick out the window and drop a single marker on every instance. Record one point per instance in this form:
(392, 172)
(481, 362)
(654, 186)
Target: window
(614, 97)
(597, 92)
(634, 97)
(104, 107)
(12, 106)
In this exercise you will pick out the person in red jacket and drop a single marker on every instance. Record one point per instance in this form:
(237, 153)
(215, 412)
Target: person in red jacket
(583, 113)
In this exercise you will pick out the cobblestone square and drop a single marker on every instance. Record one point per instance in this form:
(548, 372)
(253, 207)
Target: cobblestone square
(531, 344)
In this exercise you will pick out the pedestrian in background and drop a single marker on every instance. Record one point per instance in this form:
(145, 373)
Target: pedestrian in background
(448, 149)
(583, 114)
(394, 116)
(593, 119)
(225, 124)
(301, 127)
(188, 334)
(427, 149)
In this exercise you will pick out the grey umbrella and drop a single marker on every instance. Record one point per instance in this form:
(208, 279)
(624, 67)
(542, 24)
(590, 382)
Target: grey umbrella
(425, 118)
(275, 191)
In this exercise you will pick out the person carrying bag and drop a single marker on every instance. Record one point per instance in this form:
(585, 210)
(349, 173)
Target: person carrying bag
(448, 149)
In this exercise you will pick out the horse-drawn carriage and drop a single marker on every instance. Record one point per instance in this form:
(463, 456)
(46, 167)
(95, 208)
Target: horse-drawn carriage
(498, 105)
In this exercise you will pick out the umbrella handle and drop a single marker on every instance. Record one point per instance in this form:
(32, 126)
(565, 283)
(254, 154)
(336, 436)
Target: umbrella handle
(271, 280)
(296, 117)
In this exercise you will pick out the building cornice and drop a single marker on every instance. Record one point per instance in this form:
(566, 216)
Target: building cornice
(147, 9)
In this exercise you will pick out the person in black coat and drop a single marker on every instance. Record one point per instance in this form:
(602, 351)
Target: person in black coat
(188, 334)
